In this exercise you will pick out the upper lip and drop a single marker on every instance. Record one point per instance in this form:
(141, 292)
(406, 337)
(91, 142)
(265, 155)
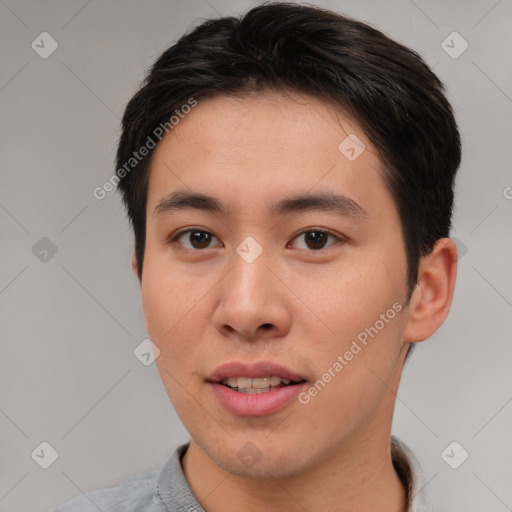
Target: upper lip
(253, 370)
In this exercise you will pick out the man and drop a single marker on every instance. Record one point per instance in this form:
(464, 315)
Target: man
(289, 178)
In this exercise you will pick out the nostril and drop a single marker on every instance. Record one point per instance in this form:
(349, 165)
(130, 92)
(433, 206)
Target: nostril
(267, 326)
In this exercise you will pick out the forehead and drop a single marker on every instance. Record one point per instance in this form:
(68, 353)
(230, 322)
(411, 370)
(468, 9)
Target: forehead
(255, 147)
(233, 122)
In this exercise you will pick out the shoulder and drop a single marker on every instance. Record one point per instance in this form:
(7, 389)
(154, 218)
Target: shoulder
(138, 493)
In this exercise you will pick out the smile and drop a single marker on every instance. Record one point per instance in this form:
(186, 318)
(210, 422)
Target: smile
(255, 389)
(255, 385)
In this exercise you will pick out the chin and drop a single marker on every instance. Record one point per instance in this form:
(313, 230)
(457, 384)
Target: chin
(259, 458)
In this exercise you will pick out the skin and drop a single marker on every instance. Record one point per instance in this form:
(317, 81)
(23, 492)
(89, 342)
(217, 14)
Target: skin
(295, 306)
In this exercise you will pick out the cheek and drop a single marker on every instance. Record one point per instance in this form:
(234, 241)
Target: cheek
(348, 299)
(177, 310)
(167, 293)
(167, 304)
(158, 305)
(172, 322)
(360, 319)
(354, 371)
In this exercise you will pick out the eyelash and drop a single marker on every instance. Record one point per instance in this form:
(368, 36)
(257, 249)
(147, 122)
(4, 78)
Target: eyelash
(174, 239)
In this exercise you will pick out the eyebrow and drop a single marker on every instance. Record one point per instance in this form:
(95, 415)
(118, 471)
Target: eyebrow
(326, 202)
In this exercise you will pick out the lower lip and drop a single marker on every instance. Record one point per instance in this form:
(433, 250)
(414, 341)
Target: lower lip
(256, 404)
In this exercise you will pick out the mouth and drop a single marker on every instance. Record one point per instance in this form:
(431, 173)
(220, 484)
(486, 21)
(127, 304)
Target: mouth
(258, 384)
(256, 389)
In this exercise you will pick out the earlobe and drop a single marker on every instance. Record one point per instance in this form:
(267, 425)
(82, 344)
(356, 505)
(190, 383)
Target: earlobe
(135, 267)
(432, 297)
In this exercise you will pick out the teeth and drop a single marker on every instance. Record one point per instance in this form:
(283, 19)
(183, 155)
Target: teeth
(261, 382)
(244, 383)
(255, 385)
(253, 391)
(232, 382)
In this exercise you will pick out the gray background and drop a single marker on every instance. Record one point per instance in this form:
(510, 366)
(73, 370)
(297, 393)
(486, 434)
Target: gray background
(70, 324)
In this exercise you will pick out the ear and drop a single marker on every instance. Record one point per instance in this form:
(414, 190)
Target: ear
(134, 267)
(432, 297)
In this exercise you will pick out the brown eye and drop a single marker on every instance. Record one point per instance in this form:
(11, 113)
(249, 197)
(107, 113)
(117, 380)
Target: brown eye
(200, 239)
(195, 239)
(315, 240)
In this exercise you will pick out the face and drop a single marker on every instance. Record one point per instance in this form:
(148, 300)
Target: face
(277, 301)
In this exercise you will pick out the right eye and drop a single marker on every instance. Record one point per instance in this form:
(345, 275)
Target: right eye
(194, 239)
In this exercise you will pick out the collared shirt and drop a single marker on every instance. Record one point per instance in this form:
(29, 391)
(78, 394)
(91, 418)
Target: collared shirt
(167, 490)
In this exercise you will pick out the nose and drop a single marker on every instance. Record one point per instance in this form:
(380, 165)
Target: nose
(253, 303)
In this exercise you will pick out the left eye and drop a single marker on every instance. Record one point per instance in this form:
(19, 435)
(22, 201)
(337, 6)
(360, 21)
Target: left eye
(315, 239)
